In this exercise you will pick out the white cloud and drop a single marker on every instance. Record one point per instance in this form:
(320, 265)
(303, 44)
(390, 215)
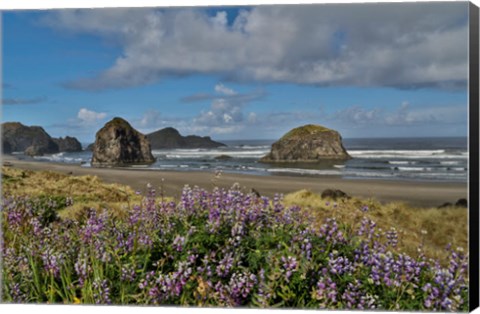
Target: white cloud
(406, 45)
(252, 118)
(222, 89)
(90, 117)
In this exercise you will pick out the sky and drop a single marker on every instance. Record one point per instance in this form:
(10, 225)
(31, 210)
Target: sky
(365, 70)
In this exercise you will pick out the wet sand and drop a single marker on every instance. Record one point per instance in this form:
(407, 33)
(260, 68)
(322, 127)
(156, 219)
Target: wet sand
(415, 193)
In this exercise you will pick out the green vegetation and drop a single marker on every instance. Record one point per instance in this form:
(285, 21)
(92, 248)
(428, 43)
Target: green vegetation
(305, 130)
(223, 248)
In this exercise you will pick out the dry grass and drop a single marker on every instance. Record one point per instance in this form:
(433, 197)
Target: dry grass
(86, 191)
(432, 227)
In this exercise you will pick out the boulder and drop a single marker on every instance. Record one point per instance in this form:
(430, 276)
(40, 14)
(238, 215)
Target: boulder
(308, 143)
(462, 203)
(334, 194)
(17, 137)
(68, 144)
(169, 138)
(34, 150)
(119, 144)
(223, 157)
(445, 205)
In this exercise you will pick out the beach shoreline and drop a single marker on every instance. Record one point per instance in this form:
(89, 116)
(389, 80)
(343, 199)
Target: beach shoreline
(414, 193)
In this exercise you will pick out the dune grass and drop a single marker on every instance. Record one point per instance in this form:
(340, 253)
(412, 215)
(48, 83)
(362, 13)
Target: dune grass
(85, 191)
(431, 228)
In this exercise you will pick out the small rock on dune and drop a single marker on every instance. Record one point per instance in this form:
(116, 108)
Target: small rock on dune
(334, 194)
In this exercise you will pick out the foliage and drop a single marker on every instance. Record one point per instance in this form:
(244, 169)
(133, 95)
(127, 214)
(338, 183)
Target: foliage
(305, 131)
(219, 248)
(428, 226)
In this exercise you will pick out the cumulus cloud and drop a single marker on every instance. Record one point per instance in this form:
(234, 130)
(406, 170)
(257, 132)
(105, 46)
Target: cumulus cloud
(222, 89)
(403, 45)
(86, 116)
(226, 112)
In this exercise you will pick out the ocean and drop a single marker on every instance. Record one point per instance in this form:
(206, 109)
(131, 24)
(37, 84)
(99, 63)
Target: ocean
(428, 159)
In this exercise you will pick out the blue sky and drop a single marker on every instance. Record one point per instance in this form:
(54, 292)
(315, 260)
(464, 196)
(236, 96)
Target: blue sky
(391, 70)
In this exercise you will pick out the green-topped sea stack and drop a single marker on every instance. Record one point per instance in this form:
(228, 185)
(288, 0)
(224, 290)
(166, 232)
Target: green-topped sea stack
(119, 144)
(308, 143)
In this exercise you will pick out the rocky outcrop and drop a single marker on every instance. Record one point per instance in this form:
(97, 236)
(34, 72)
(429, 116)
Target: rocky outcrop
(6, 148)
(17, 137)
(334, 194)
(309, 143)
(35, 150)
(119, 144)
(223, 157)
(169, 138)
(68, 144)
(462, 202)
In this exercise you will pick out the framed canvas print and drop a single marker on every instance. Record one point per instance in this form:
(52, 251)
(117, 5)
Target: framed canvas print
(293, 156)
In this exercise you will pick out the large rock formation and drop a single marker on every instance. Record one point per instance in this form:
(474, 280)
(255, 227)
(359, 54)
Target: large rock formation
(170, 138)
(68, 144)
(17, 137)
(119, 144)
(309, 143)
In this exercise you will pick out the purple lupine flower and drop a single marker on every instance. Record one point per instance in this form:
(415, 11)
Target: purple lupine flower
(178, 243)
(101, 294)
(392, 237)
(17, 295)
(289, 265)
(340, 265)
(326, 292)
(51, 262)
(224, 266)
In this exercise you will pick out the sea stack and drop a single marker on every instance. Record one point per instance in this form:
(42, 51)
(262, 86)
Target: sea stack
(308, 143)
(68, 144)
(170, 138)
(119, 144)
(33, 140)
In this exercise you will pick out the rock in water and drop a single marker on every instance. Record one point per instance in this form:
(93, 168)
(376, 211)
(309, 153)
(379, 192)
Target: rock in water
(68, 144)
(17, 137)
(308, 143)
(119, 144)
(169, 138)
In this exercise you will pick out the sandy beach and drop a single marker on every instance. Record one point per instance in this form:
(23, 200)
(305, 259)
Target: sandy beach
(416, 193)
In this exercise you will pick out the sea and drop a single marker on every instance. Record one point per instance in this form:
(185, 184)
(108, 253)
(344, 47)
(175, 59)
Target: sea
(424, 159)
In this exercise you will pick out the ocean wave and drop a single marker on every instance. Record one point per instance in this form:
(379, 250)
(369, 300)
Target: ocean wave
(209, 154)
(405, 154)
(263, 147)
(305, 171)
(416, 169)
(395, 162)
(366, 174)
(59, 157)
(449, 162)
